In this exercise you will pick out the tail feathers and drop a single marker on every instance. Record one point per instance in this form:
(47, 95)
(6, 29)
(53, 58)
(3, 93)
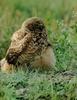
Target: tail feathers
(5, 66)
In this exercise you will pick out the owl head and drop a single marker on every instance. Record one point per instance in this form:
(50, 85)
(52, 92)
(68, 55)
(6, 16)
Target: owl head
(34, 25)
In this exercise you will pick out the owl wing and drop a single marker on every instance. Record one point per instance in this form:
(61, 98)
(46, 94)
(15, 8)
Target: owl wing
(19, 42)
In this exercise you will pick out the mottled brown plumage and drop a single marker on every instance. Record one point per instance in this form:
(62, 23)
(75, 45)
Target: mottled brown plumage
(29, 45)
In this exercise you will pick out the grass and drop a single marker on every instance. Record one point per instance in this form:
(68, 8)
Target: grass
(38, 86)
(60, 18)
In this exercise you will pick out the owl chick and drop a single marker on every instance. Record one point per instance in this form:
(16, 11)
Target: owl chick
(29, 46)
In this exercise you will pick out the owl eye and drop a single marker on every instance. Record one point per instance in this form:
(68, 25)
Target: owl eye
(40, 27)
(30, 27)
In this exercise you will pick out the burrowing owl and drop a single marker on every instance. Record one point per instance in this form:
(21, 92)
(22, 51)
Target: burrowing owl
(30, 46)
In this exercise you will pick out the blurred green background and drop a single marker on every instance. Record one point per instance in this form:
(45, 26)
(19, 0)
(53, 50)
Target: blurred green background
(60, 17)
